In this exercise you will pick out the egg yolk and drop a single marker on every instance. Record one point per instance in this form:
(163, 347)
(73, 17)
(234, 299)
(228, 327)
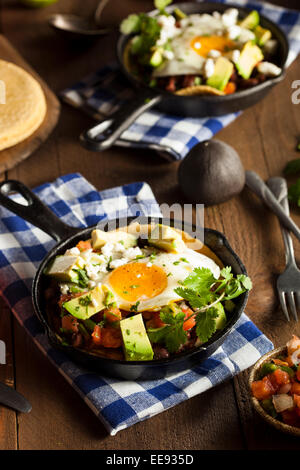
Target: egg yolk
(137, 281)
(203, 44)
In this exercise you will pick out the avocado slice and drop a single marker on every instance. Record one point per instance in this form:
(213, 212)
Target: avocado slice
(62, 268)
(221, 318)
(249, 58)
(99, 238)
(156, 58)
(166, 238)
(262, 35)
(251, 20)
(88, 304)
(137, 346)
(222, 73)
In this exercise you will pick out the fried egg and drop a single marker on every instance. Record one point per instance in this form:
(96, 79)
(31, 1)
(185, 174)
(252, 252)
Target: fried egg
(149, 284)
(199, 35)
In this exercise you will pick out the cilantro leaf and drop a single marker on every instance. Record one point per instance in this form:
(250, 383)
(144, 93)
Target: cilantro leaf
(195, 300)
(201, 279)
(206, 324)
(172, 335)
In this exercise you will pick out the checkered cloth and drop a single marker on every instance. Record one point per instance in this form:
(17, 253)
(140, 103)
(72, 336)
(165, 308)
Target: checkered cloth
(102, 92)
(118, 403)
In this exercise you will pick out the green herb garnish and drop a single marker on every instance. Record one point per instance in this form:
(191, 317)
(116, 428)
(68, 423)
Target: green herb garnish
(134, 308)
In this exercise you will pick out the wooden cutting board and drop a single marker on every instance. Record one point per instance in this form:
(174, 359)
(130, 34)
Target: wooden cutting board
(10, 157)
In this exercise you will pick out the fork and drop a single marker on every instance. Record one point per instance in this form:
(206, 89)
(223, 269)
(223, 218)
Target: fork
(288, 283)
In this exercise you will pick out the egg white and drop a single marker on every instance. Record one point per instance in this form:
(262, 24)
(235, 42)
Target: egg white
(187, 61)
(175, 273)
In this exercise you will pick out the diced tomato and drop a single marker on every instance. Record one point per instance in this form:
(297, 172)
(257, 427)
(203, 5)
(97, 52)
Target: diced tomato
(84, 245)
(279, 377)
(263, 389)
(111, 337)
(112, 314)
(96, 335)
(230, 88)
(191, 322)
(290, 417)
(69, 323)
(295, 388)
(157, 322)
(147, 315)
(296, 399)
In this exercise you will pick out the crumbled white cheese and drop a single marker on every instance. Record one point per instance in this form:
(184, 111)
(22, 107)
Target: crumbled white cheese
(169, 55)
(132, 253)
(118, 262)
(168, 29)
(149, 264)
(209, 68)
(233, 31)
(73, 251)
(95, 303)
(107, 249)
(269, 69)
(91, 284)
(214, 54)
(245, 36)
(230, 17)
(217, 15)
(233, 55)
(64, 288)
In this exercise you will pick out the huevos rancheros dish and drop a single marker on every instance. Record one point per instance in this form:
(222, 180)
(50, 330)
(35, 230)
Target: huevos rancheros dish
(139, 294)
(194, 54)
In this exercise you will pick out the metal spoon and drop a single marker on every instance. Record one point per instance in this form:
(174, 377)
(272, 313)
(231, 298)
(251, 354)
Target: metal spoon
(74, 25)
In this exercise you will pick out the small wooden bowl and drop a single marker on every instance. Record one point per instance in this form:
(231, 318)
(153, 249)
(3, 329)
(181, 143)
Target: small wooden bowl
(254, 376)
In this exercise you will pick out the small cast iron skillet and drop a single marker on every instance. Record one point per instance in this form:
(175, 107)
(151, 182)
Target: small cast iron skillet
(105, 133)
(42, 217)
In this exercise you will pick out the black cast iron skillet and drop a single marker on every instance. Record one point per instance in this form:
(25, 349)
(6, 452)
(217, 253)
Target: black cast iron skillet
(67, 237)
(106, 132)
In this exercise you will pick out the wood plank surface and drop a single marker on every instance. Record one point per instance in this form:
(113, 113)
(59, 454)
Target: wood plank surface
(265, 136)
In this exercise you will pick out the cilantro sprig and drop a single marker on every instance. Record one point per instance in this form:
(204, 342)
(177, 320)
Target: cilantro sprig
(204, 294)
(172, 335)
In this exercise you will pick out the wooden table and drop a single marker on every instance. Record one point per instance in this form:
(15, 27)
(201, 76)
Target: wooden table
(265, 137)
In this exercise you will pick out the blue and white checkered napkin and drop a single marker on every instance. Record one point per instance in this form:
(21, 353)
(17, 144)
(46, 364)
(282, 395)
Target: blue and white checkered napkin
(118, 403)
(101, 93)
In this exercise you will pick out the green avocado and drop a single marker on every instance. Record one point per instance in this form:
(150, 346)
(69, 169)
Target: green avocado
(166, 238)
(221, 318)
(100, 238)
(88, 304)
(222, 73)
(262, 35)
(249, 58)
(137, 346)
(156, 58)
(251, 20)
(62, 268)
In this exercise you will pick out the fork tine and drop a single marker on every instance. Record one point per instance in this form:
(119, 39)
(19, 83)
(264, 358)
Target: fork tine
(291, 303)
(283, 305)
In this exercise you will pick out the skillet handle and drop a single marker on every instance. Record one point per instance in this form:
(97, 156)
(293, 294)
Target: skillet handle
(106, 132)
(35, 212)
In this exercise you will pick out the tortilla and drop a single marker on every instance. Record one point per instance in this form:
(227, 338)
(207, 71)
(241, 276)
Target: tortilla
(25, 105)
(199, 90)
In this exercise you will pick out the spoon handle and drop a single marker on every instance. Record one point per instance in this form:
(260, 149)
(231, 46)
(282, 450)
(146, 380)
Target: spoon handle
(254, 182)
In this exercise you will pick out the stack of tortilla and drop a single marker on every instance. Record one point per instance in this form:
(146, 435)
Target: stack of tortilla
(25, 105)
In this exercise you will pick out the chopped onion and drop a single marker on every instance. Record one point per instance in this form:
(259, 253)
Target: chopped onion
(282, 402)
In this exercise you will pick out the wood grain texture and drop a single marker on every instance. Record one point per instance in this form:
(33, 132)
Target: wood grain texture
(13, 155)
(265, 136)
